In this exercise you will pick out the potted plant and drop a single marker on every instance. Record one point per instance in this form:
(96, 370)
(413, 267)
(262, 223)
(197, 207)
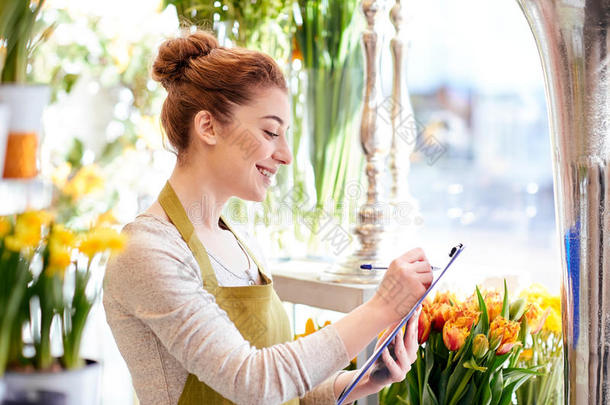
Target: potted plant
(46, 273)
(21, 32)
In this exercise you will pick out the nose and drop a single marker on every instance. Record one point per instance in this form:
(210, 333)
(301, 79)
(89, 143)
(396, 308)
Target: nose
(282, 153)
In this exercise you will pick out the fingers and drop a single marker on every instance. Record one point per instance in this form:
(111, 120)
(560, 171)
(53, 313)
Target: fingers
(411, 344)
(395, 370)
(414, 255)
(421, 267)
(426, 278)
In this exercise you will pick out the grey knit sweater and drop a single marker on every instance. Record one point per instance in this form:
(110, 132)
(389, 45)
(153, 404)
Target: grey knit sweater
(167, 325)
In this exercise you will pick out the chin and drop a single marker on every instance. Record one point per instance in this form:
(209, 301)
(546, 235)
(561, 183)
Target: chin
(255, 196)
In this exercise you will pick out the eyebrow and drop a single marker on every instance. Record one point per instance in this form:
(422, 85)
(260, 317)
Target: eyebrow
(274, 117)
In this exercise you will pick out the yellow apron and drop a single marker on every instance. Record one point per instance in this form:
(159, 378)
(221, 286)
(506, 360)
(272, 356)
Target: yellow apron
(256, 310)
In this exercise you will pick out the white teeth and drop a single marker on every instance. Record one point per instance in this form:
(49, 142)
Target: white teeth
(265, 172)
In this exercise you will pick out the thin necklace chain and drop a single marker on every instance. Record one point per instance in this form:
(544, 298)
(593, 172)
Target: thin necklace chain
(249, 277)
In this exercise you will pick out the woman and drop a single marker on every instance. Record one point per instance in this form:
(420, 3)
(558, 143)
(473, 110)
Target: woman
(193, 326)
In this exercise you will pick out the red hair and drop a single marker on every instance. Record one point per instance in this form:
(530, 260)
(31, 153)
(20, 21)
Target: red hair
(200, 75)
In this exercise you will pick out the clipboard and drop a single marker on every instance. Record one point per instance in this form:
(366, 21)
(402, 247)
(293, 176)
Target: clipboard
(453, 254)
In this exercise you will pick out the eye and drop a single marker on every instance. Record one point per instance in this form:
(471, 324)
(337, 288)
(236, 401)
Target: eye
(269, 133)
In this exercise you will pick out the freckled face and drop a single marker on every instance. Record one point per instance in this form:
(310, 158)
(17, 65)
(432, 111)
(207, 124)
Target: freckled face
(254, 145)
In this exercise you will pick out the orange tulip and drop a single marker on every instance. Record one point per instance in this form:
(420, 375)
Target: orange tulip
(503, 334)
(536, 317)
(424, 326)
(445, 297)
(440, 312)
(464, 316)
(494, 302)
(454, 336)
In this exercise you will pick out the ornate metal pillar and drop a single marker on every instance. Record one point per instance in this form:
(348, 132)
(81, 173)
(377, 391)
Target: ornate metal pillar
(574, 46)
(375, 146)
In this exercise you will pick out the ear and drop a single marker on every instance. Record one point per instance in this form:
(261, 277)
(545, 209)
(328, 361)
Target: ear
(203, 128)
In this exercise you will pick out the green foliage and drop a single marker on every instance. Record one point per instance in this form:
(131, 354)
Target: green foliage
(21, 32)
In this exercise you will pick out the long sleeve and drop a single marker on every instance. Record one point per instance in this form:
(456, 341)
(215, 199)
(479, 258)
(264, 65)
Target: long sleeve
(157, 281)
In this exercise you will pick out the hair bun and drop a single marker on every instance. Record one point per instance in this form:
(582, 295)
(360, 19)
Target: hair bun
(175, 55)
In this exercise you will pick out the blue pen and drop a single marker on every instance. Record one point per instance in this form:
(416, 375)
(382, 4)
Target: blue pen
(371, 267)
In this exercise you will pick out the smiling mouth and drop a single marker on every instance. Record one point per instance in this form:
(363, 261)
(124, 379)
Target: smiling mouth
(264, 172)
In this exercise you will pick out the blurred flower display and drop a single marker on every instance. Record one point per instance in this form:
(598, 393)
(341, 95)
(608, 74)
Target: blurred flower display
(46, 274)
(484, 349)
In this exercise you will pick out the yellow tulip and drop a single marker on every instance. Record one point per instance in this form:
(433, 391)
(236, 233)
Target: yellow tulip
(480, 345)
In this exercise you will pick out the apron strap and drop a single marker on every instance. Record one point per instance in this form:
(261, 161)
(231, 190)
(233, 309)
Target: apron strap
(260, 268)
(176, 213)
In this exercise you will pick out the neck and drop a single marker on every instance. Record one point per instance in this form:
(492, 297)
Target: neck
(200, 196)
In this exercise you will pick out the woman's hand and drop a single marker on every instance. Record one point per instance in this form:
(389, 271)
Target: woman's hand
(406, 280)
(405, 352)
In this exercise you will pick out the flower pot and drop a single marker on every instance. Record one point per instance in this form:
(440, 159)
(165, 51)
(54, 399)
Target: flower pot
(2, 389)
(72, 387)
(4, 118)
(26, 104)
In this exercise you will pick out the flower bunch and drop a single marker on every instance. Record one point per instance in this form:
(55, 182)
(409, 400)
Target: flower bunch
(470, 350)
(543, 350)
(45, 279)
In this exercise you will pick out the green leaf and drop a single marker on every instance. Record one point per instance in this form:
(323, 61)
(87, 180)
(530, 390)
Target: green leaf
(472, 364)
(510, 389)
(485, 394)
(442, 385)
(484, 319)
(429, 398)
(497, 383)
(468, 399)
(75, 154)
(505, 306)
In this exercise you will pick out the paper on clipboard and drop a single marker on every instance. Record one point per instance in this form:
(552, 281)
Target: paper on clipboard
(455, 252)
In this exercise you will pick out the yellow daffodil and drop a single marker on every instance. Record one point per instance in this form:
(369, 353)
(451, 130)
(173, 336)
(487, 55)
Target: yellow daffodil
(60, 174)
(59, 259)
(87, 180)
(107, 218)
(5, 226)
(61, 243)
(100, 240)
(28, 231)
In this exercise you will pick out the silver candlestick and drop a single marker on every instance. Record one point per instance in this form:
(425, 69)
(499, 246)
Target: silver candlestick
(375, 144)
(574, 46)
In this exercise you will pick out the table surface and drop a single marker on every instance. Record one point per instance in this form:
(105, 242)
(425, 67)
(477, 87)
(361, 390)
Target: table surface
(299, 282)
